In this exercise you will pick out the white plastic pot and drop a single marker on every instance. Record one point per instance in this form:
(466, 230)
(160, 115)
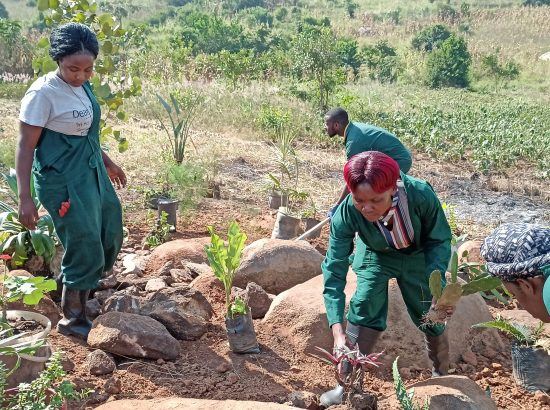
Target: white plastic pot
(24, 337)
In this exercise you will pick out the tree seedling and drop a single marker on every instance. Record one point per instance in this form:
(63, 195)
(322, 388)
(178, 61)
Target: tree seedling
(449, 295)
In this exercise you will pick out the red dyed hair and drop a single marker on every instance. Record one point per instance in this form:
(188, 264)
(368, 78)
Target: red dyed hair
(374, 168)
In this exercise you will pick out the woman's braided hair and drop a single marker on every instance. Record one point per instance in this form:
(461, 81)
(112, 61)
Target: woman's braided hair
(72, 38)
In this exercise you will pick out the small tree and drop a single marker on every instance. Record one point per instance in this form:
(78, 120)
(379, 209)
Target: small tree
(382, 62)
(449, 65)
(431, 37)
(500, 72)
(314, 57)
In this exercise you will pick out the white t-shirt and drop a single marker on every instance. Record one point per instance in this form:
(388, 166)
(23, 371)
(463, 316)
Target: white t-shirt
(52, 103)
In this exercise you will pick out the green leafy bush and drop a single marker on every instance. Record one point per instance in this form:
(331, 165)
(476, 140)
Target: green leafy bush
(47, 392)
(430, 37)
(382, 62)
(16, 239)
(449, 65)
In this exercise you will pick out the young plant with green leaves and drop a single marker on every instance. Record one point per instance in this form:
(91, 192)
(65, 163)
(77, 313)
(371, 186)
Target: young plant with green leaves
(15, 238)
(160, 233)
(47, 392)
(181, 110)
(405, 398)
(523, 335)
(225, 259)
(449, 295)
(112, 83)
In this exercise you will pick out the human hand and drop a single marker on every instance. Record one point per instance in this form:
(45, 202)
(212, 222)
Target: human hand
(341, 346)
(116, 175)
(331, 211)
(28, 214)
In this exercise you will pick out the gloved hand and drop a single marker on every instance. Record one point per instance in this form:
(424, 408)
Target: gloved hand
(331, 211)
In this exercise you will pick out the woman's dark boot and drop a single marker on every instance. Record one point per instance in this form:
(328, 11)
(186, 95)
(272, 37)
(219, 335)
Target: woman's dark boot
(438, 352)
(366, 338)
(75, 321)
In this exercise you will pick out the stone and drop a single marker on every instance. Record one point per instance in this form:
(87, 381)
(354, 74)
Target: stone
(184, 311)
(133, 335)
(113, 386)
(469, 357)
(223, 367)
(122, 302)
(103, 295)
(256, 298)
(108, 282)
(303, 400)
(131, 265)
(93, 308)
(448, 392)
(197, 269)
(181, 275)
(126, 281)
(191, 404)
(155, 284)
(165, 269)
(191, 250)
(298, 315)
(542, 397)
(232, 378)
(98, 363)
(277, 265)
(469, 251)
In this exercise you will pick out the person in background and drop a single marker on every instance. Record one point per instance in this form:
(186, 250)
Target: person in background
(59, 142)
(360, 137)
(519, 254)
(402, 233)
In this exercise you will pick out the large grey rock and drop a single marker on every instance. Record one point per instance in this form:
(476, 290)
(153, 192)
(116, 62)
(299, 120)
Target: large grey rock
(277, 265)
(184, 311)
(191, 250)
(448, 392)
(123, 302)
(133, 335)
(99, 363)
(257, 299)
(155, 284)
(299, 314)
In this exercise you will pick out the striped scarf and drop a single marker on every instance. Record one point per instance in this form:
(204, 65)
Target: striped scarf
(402, 234)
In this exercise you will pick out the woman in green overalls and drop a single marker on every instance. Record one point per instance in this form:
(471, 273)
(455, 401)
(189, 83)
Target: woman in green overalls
(402, 233)
(59, 142)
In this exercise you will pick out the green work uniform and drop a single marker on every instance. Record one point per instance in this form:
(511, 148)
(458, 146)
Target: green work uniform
(375, 262)
(361, 137)
(71, 168)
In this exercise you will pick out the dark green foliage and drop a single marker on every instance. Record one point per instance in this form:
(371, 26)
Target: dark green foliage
(382, 61)
(351, 8)
(535, 3)
(499, 71)
(430, 37)
(3, 12)
(348, 55)
(208, 34)
(449, 65)
(448, 13)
